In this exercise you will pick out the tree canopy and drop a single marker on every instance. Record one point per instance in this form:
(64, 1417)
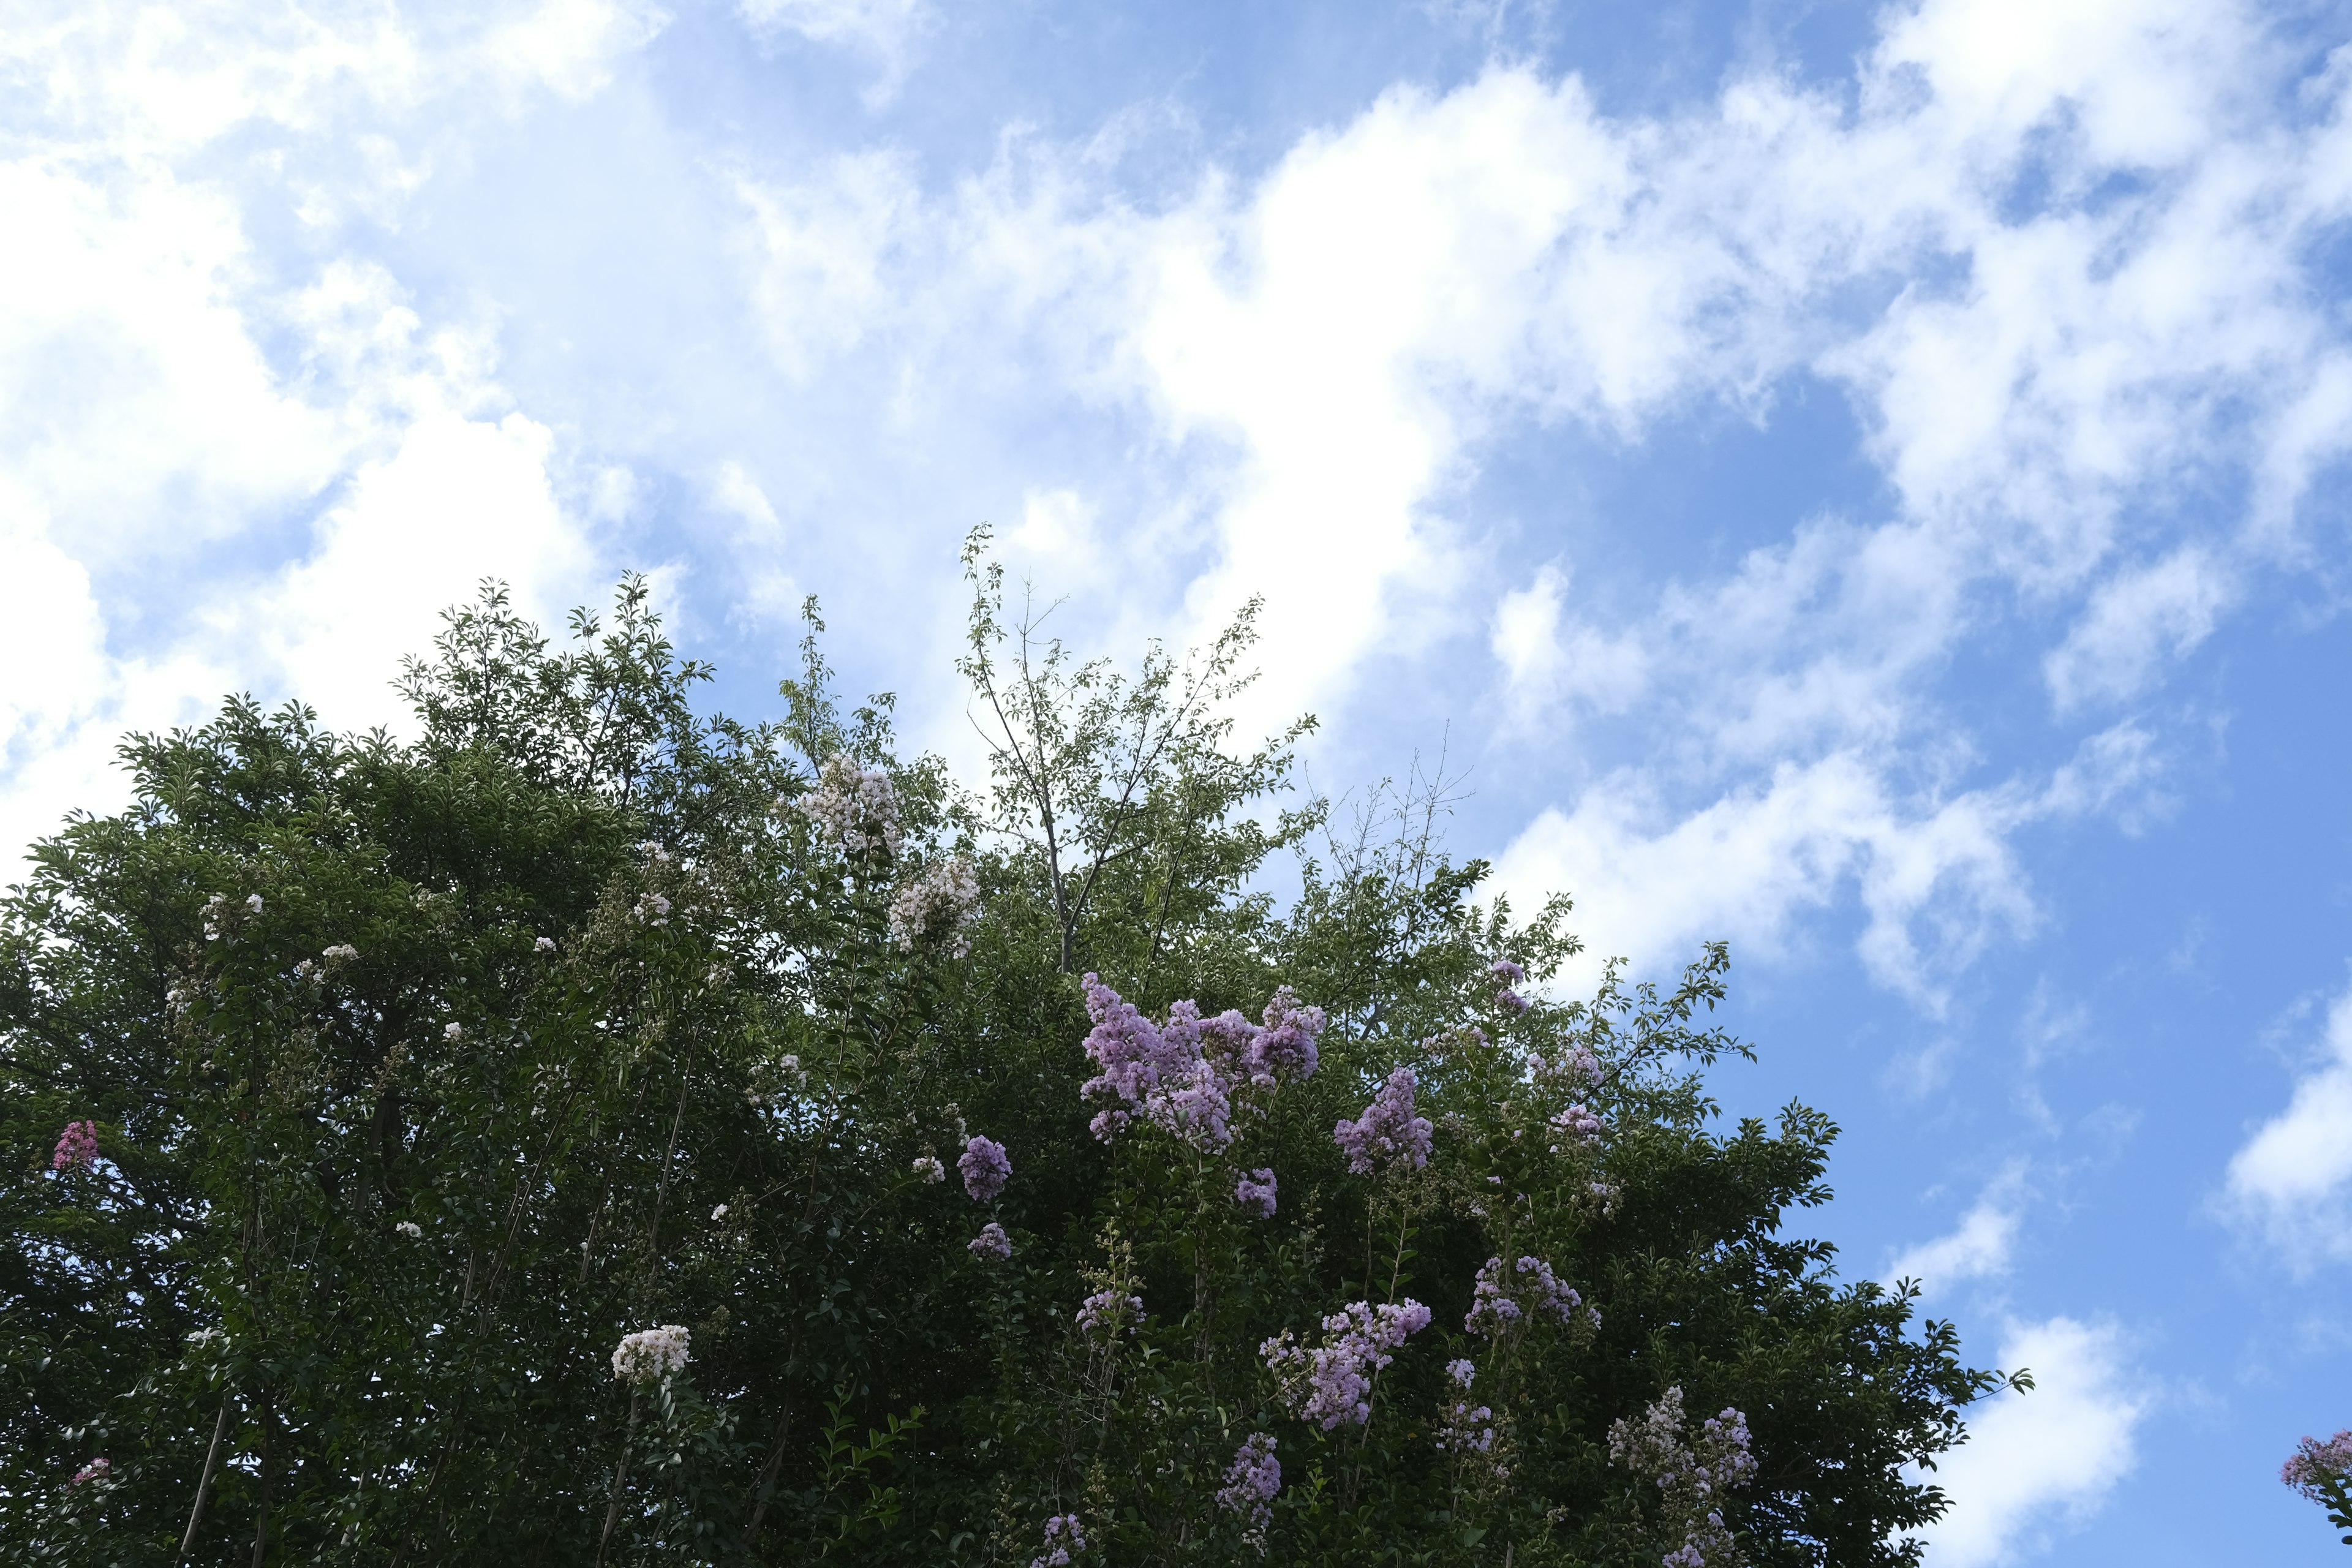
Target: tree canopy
(598, 1130)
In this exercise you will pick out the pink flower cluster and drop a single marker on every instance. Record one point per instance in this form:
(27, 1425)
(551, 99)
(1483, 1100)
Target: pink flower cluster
(1251, 1482)
(1063, 1537)
(991, 1245)
(1183, 1075)
(2315, 1464)
(985, 1169)
(1254, 1192)
(1332, 1384)
(76, 1148)
(1493, 1307)
(97, 1470)
(1388, 1136)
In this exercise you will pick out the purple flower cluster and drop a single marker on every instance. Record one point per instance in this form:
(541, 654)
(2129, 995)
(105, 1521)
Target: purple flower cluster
(1576, 1125)
(97, 1470)
(991, 1245)
(1106, 1312)
(1251, 1482)
(1388, 1136)
(1332, 1384)
(985, 1169)
(1254, 1192)
(2315, 1464)
(1693, 1476)
(76, 1148)
(1183, 1075)
(1285, 1046)
(1063, 1537)
(1507, 974)
(1493, 1307)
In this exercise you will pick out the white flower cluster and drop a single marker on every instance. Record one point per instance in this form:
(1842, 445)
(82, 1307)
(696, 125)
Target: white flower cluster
(452, 1032)
(410, 1228)
(544, 944)
(218, 912)
(342, 952)
(855, 807)
(653, 908)
(927, 1166)
(654, 1355)
(939, 904)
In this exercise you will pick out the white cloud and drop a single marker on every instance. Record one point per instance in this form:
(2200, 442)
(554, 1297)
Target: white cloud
(1549, 659)
(1983, 1244)
(460, 501)
(2038, 1463)
(2135, 622)
(887, 31)
(1655, 882)
(175, 405)
(2292, 1180)
(135, 410)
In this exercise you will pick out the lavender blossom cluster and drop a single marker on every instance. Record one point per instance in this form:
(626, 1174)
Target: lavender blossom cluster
(991, 1245)
(854, 808)
(1579, 1067)
(1251, 1482)
(1576, 1125)
(651, 1356)
(937, 904)
(1494, 1306)
(1388, 1136)
(1063, 1537)
(1103, 1314)
(1468, 1431)
(986, 1168)
(1695, 1477)
(1507, 975)
(1254, 1192)
(1183, 1076)
(1332, 1384)
(2315, 1465)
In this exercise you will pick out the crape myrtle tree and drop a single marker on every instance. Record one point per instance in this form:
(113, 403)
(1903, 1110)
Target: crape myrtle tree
(598, 1131)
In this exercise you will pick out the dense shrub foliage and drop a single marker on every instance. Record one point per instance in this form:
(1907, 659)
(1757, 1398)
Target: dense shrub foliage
(601, 1133)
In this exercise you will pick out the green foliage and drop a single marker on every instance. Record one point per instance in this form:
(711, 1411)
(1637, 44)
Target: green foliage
(424, 1072)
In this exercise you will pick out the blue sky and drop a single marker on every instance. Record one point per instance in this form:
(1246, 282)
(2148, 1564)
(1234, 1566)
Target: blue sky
(1866, 483)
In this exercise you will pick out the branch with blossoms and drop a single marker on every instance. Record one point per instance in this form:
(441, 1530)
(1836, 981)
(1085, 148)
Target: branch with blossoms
(2323, 1472)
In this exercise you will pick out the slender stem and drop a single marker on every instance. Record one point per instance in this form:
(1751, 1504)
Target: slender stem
(620, 1477)
(261, 1519)
(760, 1488)
(204, 1483)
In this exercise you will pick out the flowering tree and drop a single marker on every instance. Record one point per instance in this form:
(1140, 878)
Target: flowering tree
(2323, 1472)
(601, 1132)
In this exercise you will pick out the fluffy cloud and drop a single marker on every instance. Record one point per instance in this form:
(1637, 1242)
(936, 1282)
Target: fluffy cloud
(1981, 1246)
(2056, 257)
(2038, 1462)
(2292, 1182)
(214, 475)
